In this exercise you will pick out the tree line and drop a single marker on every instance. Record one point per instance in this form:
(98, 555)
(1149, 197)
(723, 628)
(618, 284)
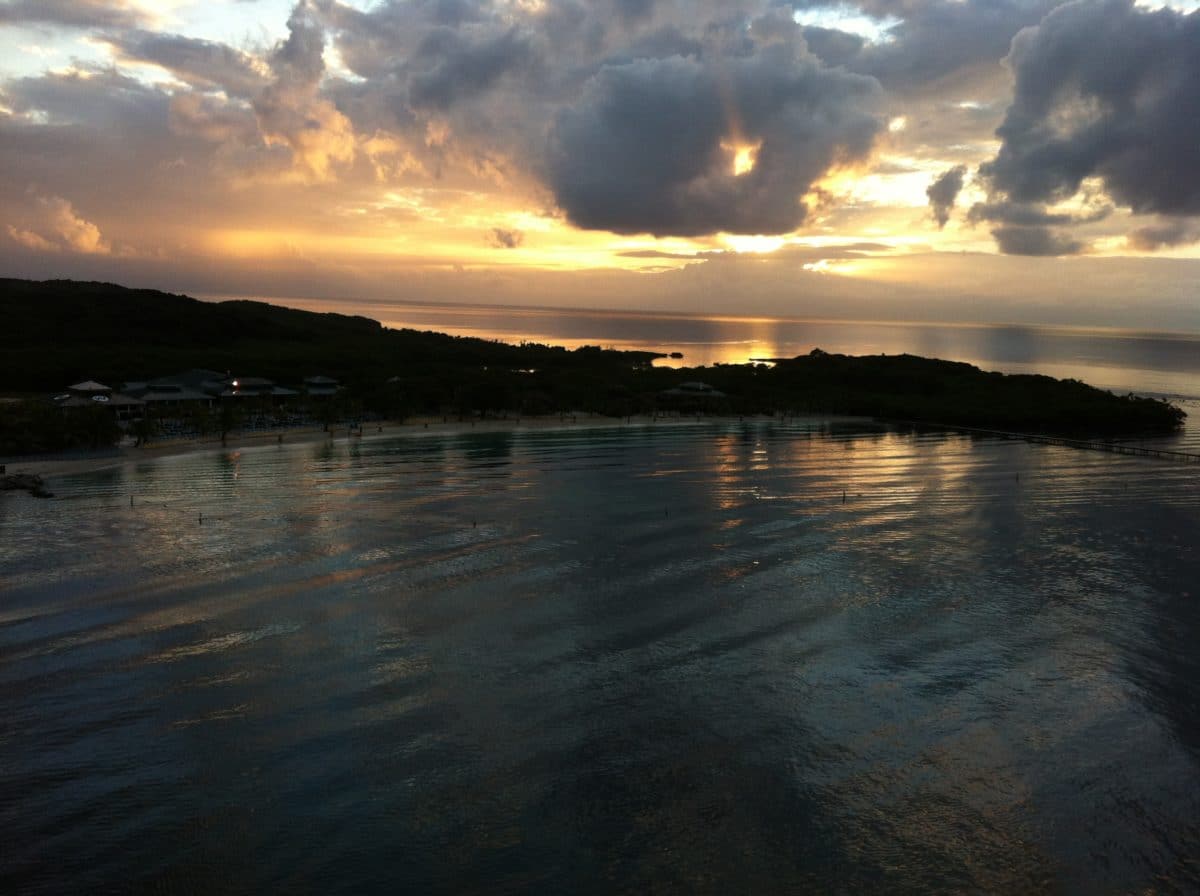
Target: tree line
(58, 332)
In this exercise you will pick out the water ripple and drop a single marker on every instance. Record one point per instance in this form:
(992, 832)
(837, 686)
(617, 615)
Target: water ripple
(722, 657)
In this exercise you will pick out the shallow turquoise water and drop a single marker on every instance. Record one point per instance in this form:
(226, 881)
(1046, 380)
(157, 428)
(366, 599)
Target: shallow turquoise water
(624, 660)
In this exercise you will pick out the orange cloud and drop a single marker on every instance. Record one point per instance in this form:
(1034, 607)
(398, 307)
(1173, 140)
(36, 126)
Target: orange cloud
(55, 226)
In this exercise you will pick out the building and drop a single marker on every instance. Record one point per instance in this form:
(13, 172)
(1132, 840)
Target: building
(321, 386)
(205, 388)
(247, 387)
(691, 397)
(91, 394)
(174, 394)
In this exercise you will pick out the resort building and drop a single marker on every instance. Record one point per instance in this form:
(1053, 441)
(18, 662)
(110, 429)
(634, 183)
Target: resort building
(191, 388)
(205, 388)
(255, 387)
(321, 386)
(691, 397)
(91, 394)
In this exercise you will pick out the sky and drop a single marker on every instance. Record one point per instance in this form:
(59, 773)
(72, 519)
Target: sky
(1023, 161)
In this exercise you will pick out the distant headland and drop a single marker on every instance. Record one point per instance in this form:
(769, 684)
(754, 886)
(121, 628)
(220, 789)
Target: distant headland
(83, 363)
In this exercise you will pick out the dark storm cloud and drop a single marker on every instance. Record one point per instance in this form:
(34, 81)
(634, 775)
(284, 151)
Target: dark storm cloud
(936, 39)
(831, 46)
(70, 13)
(932, 39)
(1017, 240)
(633, 10)
(642, 150)
(943, 193)
(1105, 93)
(377, 42)
(661, 43)
(1022, 214)
(1105, 106)
(452, 66)
(1164, 235)
(1030, 229)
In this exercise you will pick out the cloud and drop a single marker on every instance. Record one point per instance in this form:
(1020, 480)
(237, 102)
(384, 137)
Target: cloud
(113, 103)
(31, 240)
(105, 140)
(202, 64)
(449, 65)
(70, 13)
(832, 46)
(292, 113)
(651, 144)
(212, 119)
(791, 253)
(629, 112)
(943, 193)
(1027, 214)
(930, 41)
(1164, 235)
(1034, 240)
(632, 116)
(381, 42)
(1107, 98)
(266, 117)
(55, 226)
(500, 238)
(1032, 229)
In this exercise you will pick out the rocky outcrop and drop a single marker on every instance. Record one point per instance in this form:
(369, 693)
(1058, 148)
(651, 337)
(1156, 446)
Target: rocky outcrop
(29, 482)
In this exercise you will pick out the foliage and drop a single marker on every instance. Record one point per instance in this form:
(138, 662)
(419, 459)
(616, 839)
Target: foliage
(38, 427)
(59, 332)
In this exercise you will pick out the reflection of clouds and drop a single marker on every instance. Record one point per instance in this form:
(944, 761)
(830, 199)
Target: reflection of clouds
(1012, 344)
(648, 626)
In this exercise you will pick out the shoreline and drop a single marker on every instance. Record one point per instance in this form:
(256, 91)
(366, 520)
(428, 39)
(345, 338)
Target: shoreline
(50, 467)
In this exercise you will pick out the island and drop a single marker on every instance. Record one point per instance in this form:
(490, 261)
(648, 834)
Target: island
(83, 363)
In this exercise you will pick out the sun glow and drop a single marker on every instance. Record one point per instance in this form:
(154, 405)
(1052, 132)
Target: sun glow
(743, 156)
(753, 244)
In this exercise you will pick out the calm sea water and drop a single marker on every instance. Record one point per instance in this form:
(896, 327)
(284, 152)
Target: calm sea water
(1121, 360)
(721, 658)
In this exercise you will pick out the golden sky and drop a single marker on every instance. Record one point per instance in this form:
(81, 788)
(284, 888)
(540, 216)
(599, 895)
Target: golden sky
(1000, 160)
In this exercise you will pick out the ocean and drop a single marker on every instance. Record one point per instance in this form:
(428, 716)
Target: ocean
(1151, 363)
(725, 656)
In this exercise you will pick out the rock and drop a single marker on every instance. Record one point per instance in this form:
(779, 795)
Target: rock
(29, 482)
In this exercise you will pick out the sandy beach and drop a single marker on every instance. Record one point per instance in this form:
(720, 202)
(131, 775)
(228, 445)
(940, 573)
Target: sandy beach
(48, 467)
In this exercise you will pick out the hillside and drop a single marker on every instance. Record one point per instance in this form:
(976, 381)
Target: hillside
(59, 332)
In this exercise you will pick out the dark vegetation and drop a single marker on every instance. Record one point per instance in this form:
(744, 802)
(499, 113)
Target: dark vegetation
(907, 387)
(56, 333)
(38, 427)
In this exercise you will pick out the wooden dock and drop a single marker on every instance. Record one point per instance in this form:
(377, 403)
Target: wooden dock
(1182, 457)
